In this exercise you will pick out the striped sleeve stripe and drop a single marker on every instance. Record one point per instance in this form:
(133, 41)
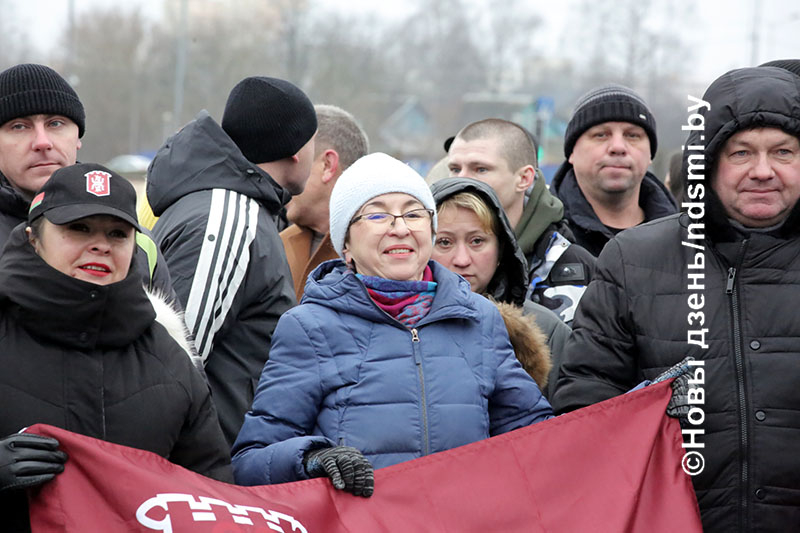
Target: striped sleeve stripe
(221, 266)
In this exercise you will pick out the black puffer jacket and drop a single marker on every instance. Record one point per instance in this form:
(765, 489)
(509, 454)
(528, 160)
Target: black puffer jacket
(92, 359)
(654, 198)
(218, 231)
(633, 323)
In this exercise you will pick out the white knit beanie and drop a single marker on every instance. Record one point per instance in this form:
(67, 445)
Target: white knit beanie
(371, 176)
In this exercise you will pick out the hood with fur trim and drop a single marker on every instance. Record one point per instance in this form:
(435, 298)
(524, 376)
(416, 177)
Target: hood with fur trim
(530, 344)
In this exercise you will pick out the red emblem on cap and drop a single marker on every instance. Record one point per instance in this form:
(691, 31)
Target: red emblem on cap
(98, 183)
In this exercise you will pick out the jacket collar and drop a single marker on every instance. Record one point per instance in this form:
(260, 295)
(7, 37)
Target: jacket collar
(11, 201)
(542, 210)
(332, 284)
(654, 199)
(67, 311)
(201, 156)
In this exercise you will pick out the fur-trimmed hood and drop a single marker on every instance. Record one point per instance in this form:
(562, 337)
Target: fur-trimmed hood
(529, 343)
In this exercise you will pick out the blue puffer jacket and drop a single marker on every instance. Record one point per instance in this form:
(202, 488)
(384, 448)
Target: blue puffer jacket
(343, 372)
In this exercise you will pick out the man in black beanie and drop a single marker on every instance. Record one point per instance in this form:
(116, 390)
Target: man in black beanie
(219, 191)
(42, 121)
(41, 125)
(604, 183)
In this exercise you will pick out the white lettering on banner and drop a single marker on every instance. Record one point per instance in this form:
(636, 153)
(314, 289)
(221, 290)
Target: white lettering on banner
(204, 512)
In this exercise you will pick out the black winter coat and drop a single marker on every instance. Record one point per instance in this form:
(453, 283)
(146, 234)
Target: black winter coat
(91, 359)
(218, 231)
(634, 319)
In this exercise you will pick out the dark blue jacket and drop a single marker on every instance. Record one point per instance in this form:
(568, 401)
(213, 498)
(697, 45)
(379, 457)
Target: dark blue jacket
(343, 372)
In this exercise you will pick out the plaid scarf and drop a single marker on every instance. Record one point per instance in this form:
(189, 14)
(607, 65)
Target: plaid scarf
(407, 301)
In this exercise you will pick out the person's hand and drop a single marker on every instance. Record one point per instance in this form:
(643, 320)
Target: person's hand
(678, 406)
(27, 460)
(346, 466)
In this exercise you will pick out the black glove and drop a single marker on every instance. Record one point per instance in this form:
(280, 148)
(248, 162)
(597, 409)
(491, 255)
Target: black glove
(348, 469)
(27, 460)
(678, 406)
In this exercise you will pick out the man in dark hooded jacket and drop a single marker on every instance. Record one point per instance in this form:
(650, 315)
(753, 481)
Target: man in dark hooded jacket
(604, 183)
(719, 283)
(502, 154)
(219, 191)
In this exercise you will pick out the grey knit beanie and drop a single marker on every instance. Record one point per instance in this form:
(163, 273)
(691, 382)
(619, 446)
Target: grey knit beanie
(30, 89)
(371, 176)
(609, 103)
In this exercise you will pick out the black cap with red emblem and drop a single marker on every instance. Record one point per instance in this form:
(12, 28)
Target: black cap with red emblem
(84, 190)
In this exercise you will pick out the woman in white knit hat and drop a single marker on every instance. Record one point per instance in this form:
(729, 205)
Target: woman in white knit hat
(390, 356)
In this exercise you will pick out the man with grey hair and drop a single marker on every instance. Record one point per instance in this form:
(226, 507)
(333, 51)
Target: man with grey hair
(340, 142)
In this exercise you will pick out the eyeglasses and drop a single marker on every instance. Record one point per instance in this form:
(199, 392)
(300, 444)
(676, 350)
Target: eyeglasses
(415, 219)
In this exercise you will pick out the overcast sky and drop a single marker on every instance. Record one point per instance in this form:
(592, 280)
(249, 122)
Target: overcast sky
(720, 36)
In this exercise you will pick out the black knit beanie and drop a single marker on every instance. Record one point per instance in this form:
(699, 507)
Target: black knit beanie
(30, 89)
(792, 65)
(609, 103)
(268, 119)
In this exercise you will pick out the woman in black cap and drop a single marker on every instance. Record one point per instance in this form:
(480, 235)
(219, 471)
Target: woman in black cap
(82, 346)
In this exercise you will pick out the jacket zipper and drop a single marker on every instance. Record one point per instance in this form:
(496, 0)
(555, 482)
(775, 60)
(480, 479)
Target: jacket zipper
(733, 293)
(418, 360)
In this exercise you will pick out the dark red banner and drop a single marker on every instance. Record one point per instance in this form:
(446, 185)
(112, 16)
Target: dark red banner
(611, 467)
